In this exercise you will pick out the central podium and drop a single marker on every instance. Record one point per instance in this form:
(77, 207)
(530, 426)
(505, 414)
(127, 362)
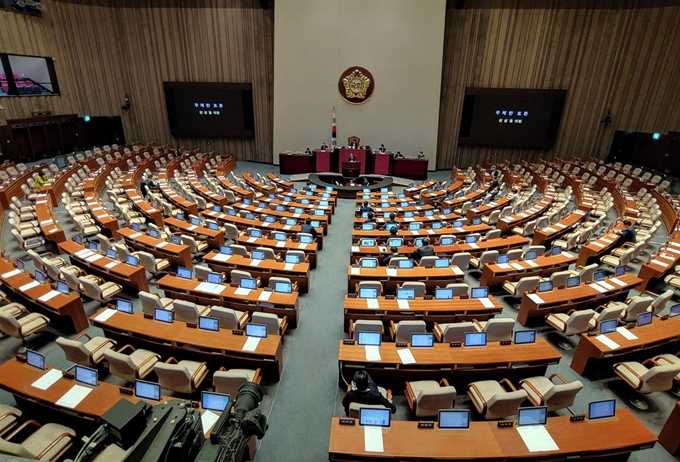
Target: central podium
(351, 169)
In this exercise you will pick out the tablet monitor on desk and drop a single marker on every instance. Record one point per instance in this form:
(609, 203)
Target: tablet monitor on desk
(574, 281)
(369, 338)
(470, 239)
(329, 188)
(374, 417)
(443, 294)
(446, 211)
(395, 242)
(248, 283)
(368, 262)
(135, 227)
(147, 390)
(292, 258)
(599, 276)
(480, 292)
(367, 242)
(195, 221)
(213, 226)
(283, 287)
(153, 233)
(454, 419)
(401, 196)
(300, 210)
(217, 209)
(603, 409)
(367, 227)
(111, 253)
(545, 286)
(215, 278)
(180, 216)
(256, 330)
(92, 246)
(280, 236)
(184, 273)
(310, 239)
(503, 259)
(531, 255)
(20, 265)
(476, 221)
(525, 336)
(437, 225)
(414, 226)
(312, 186)
(607, 327)
(675, 310)
(246, 202)
(532, 416)
(619, 271)
(408, 214)
(446, 241)
(163, 315)
(216, 402)
(226, 250)
(131, 260)
(78, 238)
(644, 318)
(62, 287)
(208, 323)
(255, 233)
(291, 221)
(405, 264)
(316, 223)
(418, 242)
(124, 306)
(250, 216)
(231, 212)
(384, 190)
(190, 198)
(441, 263)
(555, 251)
(318, 212)
(263, 205)
(406, 294)
(39, 276)
(175, 239)
(35, 359)
(422, 340)
(257, 255)
(368, 292)
(473, 339)
(86, 375)
(429, 213)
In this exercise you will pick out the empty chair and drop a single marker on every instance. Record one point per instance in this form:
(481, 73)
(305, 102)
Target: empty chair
(621, 260)
(197, 248)
(604, 313)
(98, 289)
(452, 331)
(497, 329)
(21, 328)
(275, 325)
(239, 250)
(660, 301)
(461, 260)
(151, 302)
(229, 381)
(585, 273)
(517, 289)
(428, 262)
(137, 365)
(559, 278)
(181, 376)
(269, 254)
(369, 285)
(571, 323)
(88, 354)
(514, 254)
(542, 391)
(493, 401)
(47, 442)
(229, 318)
(492, 218)
(152, 264)
(364, 325)
(632, 307)
(493, 234)
(645, 380)
(401, 331)
(186, 311)
(9, 416)
(460, 289)
(489, 256)
(418, 287)
(202, 271)
(526, 230)
(237, 275)
(426, 397)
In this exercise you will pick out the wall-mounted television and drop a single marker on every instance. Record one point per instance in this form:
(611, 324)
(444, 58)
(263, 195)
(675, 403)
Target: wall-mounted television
(511, 117)
(210, 109)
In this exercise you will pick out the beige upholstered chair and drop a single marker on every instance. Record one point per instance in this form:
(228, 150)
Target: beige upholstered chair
(632, 307)
(461, 260)
(453, 331)
(97, 289)
(274, 279)
(428, 262)
(558, 278)
(229, 318)
(493, 401)
(186, 311)
(181, 376)
(21, 328)
(151, 301)
(196, 247)
(660, 301)
(604, 313)
(401, 331)
(459, 288)
(542, 391)
(229, 381)
(517, 289)
(488, 256)
(88, 354)
(370, 285)
(9, 416)
(275, 325)
(418, 287)
(497, 329)
(47, 442)
(586, 272)
(571, 323)
(237, 275)
(426, 397)
(364, 325)
(136, 365)
(646, 380)
(152, 264)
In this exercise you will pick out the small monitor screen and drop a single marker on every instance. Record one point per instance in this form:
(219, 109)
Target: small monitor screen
(418, 242)
(21, 265)
(525, 336)
(446, 211)
(573, 281)
(231, 212)
(217, 208)
(216, 402)
(153, 233)
(454, 419)
(226, 250)
(425, 340)
(470, 239)
(429, 213)
(480, 292)
(135, 227)
(190, 198)
(532, 416)
(644, 318)
(292, 258)
(131, 260)
(443, 294)
(441, 263)
(78, 238)
(367, 242)
(476, 221)
(248, 283)
(601, 409)
(599, 276)
(215, 278)
(147, 390)
(607, 327)
(406, 294)
(256, 330)
(35, 359)
(620, 271)
(180, 216)
(163, 315)
(384, 189)
(306, 239)
(414, 226)
(545, 286)
(62, 287)
(369, 338)
(255, 233)
(318, 213)
(86, 375)
(374, 417)
(394, 242)
(39, 276)
(175, 239)
(408, 214)
(257, 255)
(184, 273)
(250, 216)
(208, 323)
(503, 259)
(281, 208)
(367, 227)
(92, 246)
(368, 292)
(316, 223)
(111, 253)
(246, 201)
(283, 287)
(531, 255)
(280, 237)
(368, 263)
(675, 310)
(446, 241)
(437, 225)
(124, 306)
(555, 251)
(405, 264)
(291, 221)
(213, 226)
(475, 339)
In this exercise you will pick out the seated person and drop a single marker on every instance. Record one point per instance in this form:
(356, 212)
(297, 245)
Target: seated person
(308, 152)
(308, 228)
(421, 155)
(382, 149)
(395, 253)
(370, 218)
(365, 391)
(627, 234)
(324, 146)
(424, 250)
(351, 157)
(391, 221)
(40, 181)
(398, 155)
(512, 195)
(366, 207)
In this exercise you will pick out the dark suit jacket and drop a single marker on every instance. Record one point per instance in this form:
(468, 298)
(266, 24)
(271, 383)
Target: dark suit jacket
(424, 251)
(627, 235)
(370, 396)
(309, 229)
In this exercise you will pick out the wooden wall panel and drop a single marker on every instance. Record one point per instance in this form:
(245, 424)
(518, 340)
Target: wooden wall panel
(618, 55)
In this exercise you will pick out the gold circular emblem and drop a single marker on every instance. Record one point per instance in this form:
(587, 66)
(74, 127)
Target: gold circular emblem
(356, 85)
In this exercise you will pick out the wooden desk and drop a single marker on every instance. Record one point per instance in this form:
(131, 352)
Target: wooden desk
(180, 202)
(281, 183)
(214, 238)
(665, 260)
(574, 298)
(494, 275)
(486, 209)
(593, 251)
(277, 303)
(70, 305)
(121, 273)
(660, 336)
(12, 188)
(669, 437)
(216, 348)
(505, 224)
(310, 250)
(47, 217)
(288, 212)
(100, 213)
(263, 269)
(431, 233)
(404, 442)
(237, 190)
(391, 277)
(459, 365)
(177, 254)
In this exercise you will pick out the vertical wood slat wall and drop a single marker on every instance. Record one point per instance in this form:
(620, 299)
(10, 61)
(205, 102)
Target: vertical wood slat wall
(103, 53)
(618, 55)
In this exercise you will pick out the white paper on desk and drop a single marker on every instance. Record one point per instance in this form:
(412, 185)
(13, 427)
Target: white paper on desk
(265, 295)
(46, 222)
(289, 266)
(221, 257)
(429, 231)
(597, 244)
(560, 225)
(403, 304)
(535, 298)
(618, 282)
(355, 248)
(531, 263)
(626, 333)
(83, 253)
(598, 287)
(549, 229)
(280, 244)
(354, 270)
(373, 439)
(567, 254)
(486, 302)
(255, 262)
(406, 356)
(579, 212)
(608, 241)
(372, 353)
(415, 233)
(409, 219)
(105, 315)
(517, 266)
(74, 396)
(94, 257)
(192, 227)
(112, 264)
(49, 295)
(503, 265)
(304, 246)
(659, 262)
(160, 245)
(372, 303)
(28, 286)
(241, 291)
(457, 271)
(459, 230)
(135, 235)
(391, 271)
(672, 250)
(537, 438)
(251, 344)
(606, 341)
(208, 419)
(606, 285)
(473, 245)
(48, 379)
(9, 274)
